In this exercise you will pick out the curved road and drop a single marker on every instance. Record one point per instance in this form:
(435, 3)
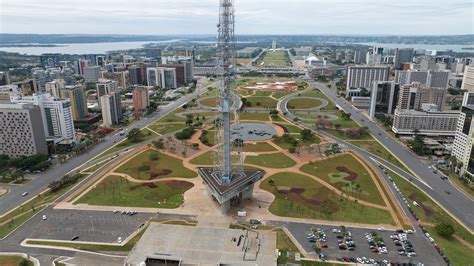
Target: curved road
(456, 203)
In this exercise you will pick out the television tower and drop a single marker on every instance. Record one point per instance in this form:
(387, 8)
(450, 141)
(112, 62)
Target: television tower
(227, 182)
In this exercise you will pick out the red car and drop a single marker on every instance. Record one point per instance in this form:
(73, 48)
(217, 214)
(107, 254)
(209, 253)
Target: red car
(324, 245)
(346, 259)
(342, 246)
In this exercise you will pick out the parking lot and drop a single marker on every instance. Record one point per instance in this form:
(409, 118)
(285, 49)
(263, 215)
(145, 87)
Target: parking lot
(91, 226)
(425, 252)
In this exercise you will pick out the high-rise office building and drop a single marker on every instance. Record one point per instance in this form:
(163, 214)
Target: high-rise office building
(4, 78)
(141, 99)
(468, 79)
(384, 98)
(464, 139)
(414, 96)
(78, 100)
(428, 63)
(359, 56)
(28, 87)
(403, 56)
(365, 76)
(106, 86)
(180, 73)
(79, 66)
(153, 53)
(153, 75)
(21, 130)
(438, 78)
(57, 116)
(92, 73)
(55, 88)
(429, 78)
(111, 109)
(168, 78)
(429, 123)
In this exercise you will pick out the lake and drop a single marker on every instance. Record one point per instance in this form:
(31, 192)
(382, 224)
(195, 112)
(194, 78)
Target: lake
(80, 48)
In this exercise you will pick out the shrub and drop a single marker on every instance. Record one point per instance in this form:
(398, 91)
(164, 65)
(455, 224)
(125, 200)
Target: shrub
(187, 133)
(444, 229)
(144, 168)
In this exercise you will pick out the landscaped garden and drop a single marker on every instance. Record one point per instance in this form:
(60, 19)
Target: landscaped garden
(151, 164)
(261, 102)
(254, 116)
(346, 174)
(302, 197)
(257, 147)
(274, 160)
(117, 191)
(304, 103)
(278, 58)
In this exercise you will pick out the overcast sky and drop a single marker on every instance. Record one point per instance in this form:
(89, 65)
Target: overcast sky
(405, 17)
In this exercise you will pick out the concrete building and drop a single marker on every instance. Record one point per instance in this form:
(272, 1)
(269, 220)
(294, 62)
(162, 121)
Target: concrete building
(429, 78)
(365, 76)
(153, 77)
(359, 56)
(8, 90)
(55, 88)
(153, 53)
(403, 56)
(50, 60)
(428, 63)
(27, 87)
(314, 61)
(57, 116)
(384, 98)
(438, 78)
(4, 78)
(79, 66)
(168, 78)
(106, 86)
(120, 77)
(78, 100)
(413, 96)
(141, 99)
(111, 109)
(180, 73)
(431, 123)
(92, 73)
(468, 79)
(135, 75)
(21, 130)
(249, 52)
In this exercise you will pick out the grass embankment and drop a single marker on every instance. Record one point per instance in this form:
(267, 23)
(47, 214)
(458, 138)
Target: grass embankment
(284, 245)
(346, 174)
(152, 164)
(302, 197)
(429, 212)
(304, 103)
(7, 260)
(274, 160)
(117, 191)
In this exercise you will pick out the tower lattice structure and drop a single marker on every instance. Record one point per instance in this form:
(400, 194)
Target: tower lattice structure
(228, 158)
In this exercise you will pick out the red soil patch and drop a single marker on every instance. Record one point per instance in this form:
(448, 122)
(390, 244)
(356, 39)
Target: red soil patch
(428, 212)
(352, 175)
(163, 172)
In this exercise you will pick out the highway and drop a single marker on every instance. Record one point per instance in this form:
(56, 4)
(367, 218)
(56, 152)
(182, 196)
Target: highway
(40, 182)
(456, 203)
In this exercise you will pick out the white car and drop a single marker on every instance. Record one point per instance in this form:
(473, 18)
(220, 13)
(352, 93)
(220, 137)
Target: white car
(119, 240)
(336, 231)
(44, 217)
(24, 193)
(381, 229)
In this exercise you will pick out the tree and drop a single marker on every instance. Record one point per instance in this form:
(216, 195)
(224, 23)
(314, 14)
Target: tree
(444, 229)
(323, 123)
(187, 133)
(306, 134)
(189, 119)
(135, 135)
(417, 144)
(158, 144)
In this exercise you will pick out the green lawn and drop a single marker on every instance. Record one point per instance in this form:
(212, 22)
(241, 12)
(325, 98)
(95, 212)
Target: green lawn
(209, 102)
(280, 94)
(254, 116)
(301, 143)
(376, 148)
(262, 102)
(244, 92)
(345, 181)
(284, 245)
(117, 191)
(318, 94)
(14, 261)
(304, 103)
(165, 128)
(93, 247)
(428, 211)
(147, 135)
(204, 159)
(263, 93)
(144, 168)
(290, 128)
(257, 147)
(274, 160)
(278, 58)
(457, 253)
(345, 123)
(302, 197)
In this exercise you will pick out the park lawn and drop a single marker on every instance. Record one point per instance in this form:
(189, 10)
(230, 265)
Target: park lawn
(142, 167)
(428, 211)
(340, 135)
(257, 147)
(278, 118)
(326, 170)
(376, 148)
(204, 159)
(117, 191)
(211, 138)
(290, 128)
(304, 103)
(24, 212)
(254, 116)
(318, 94)
(172, 117)
(243, 92)
(301, 143)
(262, 102)
(274, 160)
(299, 196)
(263, 93)
(93, 247)
(166, 128)
(457, 253)
(280, 94)
(7, 260)
(209, 102)
(284, 245)
(345, 123)
(277, 58)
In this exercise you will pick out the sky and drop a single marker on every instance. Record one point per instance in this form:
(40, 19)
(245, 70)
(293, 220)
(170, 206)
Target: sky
(312, 17)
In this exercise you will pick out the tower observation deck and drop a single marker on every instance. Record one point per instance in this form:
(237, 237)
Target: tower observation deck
(227, 182)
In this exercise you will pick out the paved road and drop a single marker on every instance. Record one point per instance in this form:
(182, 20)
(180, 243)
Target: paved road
(40, 182)
(457, 203)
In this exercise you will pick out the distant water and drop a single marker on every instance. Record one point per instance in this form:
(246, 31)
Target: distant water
(437, 47)
(80, 48)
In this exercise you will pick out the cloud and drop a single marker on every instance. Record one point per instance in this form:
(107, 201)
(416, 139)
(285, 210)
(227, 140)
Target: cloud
(252, 16)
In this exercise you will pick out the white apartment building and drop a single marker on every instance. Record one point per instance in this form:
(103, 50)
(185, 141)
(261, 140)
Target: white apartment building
(57, 116)
(365, 76)
(430, 123)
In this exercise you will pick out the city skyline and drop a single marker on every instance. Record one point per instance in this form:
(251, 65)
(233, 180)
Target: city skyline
(146, 17)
